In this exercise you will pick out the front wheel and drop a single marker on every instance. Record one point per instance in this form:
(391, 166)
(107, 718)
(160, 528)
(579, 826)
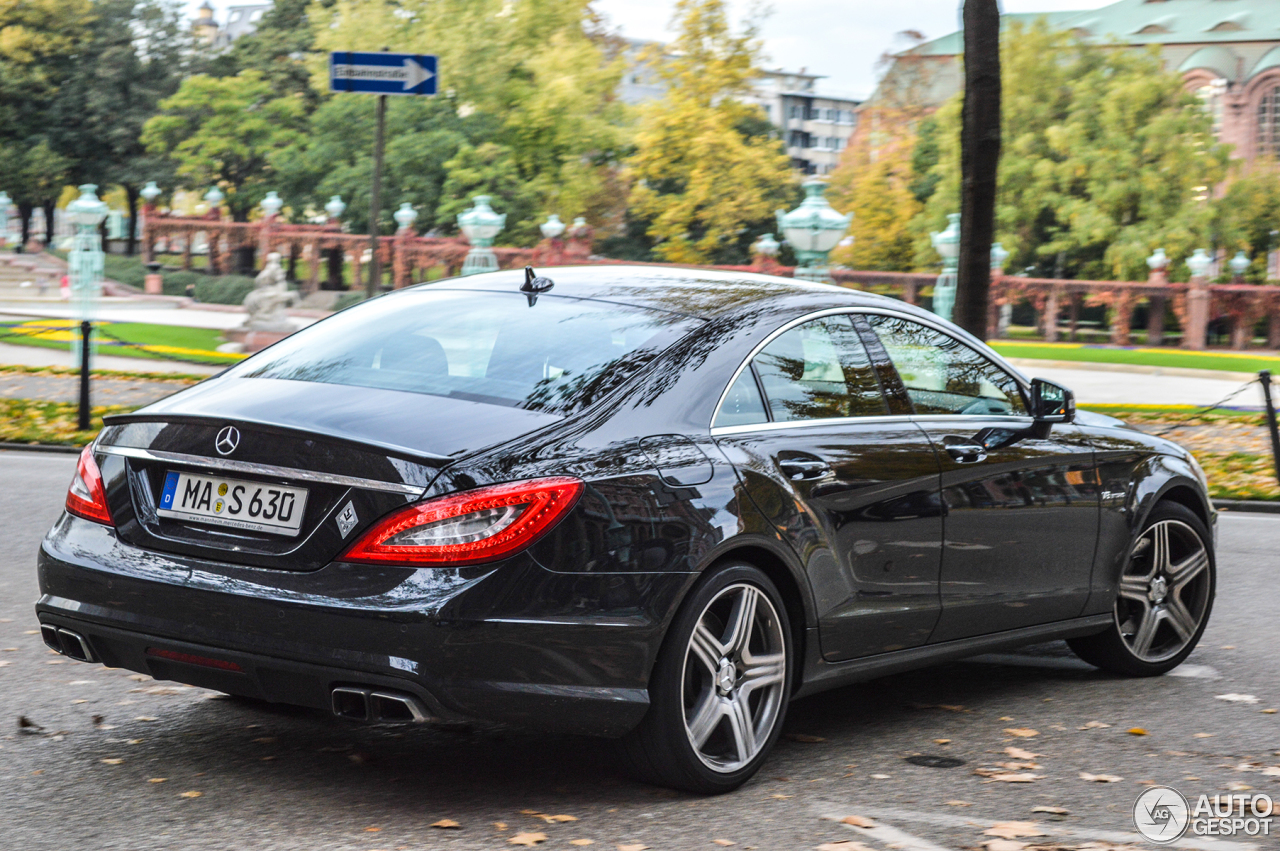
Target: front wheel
(1164, 598)
(719, 690)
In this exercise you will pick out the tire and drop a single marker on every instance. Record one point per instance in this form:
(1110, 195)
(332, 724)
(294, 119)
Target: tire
(1164, 598)
(725, 688)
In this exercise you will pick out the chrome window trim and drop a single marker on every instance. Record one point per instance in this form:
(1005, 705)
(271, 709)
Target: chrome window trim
(231, 466)
(990, 354)
(745, 428)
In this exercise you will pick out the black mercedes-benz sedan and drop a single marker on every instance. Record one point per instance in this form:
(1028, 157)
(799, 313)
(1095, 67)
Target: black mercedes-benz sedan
(642, 503)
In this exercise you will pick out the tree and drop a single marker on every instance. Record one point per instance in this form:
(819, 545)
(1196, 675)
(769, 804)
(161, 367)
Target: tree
(40, 42)
(136, 54)
(979, 162)
(279, 48)
(1104, 158)
(224, 131)
(704, 184)
(542, 72)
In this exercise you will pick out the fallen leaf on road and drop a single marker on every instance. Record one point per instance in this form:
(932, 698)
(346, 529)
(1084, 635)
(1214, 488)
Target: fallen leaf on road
(803, 737)
(373, 830)
(266, 740)
(1268, 712)
(636, 847)
(942, 741)
(1019, 753)
(1238, 787)
(858, 821)
(4, 664)
(781, 797)
(1017, 766)
(114, 761)
(1013, 829)
(1022, 732)
(190, 794)
(1238, 698)
(1007, 777)
(1136, 731)
(843, 845)
(1094, 725)
(554, 819)
(582, 842)
(446, 824)
(26, 725)
(956, 804)
(723, 842)
(1004, 845)
(1204, 735)
(1100, 778)
(158, 780)
(529, 839)
(1272, 771)
(880, 777)
(1057, 811)
(145, 718)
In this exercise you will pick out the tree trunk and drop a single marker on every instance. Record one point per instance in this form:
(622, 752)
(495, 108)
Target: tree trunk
(979, 161)
(49, 207)
(24, 213)
(131, 193)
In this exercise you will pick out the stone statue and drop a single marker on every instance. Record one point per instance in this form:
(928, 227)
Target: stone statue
(269, 299)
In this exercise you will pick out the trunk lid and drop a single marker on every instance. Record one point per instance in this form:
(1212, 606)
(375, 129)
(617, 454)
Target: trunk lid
(359, 453)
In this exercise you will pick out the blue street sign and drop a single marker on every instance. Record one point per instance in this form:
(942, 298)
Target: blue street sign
(382, 73)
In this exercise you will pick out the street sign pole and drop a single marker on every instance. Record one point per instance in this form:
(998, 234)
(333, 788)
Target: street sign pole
(381, 74)
(375, 201)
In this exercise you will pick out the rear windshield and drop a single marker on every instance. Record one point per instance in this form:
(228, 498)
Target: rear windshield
(558, 355)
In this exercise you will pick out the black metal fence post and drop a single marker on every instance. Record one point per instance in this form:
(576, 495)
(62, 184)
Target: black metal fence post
(86, 330)
(1265, 377)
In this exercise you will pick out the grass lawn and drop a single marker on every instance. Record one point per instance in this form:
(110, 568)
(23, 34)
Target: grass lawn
(163, 342)
(1229, 361)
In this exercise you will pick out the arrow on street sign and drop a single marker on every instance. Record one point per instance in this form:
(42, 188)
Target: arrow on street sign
(382, 73)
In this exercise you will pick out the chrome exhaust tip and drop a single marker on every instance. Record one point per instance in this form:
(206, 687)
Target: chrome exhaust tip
(68, 643)
(391, 708)
(351, 703)
(378, 707)
(50, 635)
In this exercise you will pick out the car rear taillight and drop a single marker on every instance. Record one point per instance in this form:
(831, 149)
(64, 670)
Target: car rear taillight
(474, 526)
(86, 497)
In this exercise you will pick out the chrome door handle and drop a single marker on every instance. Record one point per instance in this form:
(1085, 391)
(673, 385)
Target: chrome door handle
(967, 453)
(799, 471)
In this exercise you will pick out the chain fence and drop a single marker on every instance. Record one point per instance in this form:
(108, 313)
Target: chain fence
(1199, 412)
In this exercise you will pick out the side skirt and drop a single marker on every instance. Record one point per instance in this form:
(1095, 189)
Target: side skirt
(820, 675)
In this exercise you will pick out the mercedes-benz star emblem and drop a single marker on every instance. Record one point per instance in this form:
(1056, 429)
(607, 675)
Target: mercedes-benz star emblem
(227, 441)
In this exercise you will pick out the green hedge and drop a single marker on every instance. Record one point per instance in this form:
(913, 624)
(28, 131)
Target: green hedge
(219, 289)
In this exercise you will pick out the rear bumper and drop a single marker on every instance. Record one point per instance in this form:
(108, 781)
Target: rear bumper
(511, 643)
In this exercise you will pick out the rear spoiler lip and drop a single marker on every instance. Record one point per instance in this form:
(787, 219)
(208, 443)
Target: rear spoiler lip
(406, 453)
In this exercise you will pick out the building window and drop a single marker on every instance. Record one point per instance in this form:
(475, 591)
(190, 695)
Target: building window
(1211, 97)
(233, 17)
(1269, 124)
(795, 111)
(256, 14)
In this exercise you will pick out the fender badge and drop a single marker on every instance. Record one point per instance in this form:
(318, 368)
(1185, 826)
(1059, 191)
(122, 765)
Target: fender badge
(347, 519)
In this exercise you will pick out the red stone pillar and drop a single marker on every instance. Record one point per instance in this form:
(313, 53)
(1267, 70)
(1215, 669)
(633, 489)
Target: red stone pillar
(1197, 328)
(1050, 319)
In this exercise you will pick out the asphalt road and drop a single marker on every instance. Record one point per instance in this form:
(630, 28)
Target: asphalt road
(272, 778)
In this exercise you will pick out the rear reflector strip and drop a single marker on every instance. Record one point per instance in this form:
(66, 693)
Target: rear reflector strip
(191, 659)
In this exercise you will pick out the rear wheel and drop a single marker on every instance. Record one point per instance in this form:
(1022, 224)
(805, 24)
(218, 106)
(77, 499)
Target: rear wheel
(719, 691)
(1164, 599)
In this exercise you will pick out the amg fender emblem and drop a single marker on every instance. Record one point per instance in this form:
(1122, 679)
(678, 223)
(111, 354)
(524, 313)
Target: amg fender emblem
(227, 440)
(347, 519)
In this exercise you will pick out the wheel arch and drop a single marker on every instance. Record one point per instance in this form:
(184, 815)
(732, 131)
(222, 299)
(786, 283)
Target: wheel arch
(799, 606)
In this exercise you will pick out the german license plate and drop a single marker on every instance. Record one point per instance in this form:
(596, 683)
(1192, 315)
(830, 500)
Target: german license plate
(233, 502)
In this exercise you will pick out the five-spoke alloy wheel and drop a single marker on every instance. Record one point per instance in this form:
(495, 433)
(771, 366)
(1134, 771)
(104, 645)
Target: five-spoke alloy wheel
(719, 691)
(1163, 600)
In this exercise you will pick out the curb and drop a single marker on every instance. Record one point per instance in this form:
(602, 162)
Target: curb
(43, 447)
(1133, 369)
(1254, 506)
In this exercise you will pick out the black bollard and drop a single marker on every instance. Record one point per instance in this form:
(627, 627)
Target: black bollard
(86, 328)
(1265, 377)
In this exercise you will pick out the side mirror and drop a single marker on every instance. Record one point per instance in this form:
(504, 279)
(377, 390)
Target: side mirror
(1051, 403)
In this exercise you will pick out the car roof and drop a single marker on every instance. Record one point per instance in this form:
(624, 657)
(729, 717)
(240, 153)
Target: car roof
(703, 293)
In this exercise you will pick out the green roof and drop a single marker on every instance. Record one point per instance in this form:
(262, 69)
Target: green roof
(1140, 22)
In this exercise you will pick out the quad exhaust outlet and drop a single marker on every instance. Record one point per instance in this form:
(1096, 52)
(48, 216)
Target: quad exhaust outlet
(378, 707)
(68, 643)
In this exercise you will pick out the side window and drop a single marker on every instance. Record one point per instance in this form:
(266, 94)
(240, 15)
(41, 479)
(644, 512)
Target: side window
(742, 405)
(943, 375)
(819, 370)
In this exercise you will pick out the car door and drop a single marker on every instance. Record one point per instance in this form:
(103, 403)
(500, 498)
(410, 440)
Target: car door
(1020, 502)
(849, 481)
